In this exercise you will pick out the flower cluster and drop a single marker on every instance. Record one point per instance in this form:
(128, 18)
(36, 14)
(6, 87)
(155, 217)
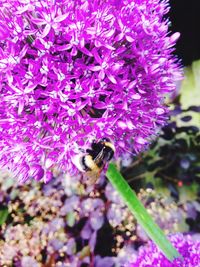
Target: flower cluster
(76, 71)
(60, 222)
(187, 246)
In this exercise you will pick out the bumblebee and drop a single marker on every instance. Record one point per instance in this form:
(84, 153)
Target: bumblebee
(95, 159)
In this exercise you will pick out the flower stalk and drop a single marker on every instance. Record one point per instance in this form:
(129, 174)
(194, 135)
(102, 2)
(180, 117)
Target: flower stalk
(140, 213)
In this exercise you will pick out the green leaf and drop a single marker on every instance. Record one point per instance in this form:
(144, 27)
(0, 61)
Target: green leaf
(188, 192)
(3, 214)
(85, 252)
(140, 213)
(190, 90)
(71, 219)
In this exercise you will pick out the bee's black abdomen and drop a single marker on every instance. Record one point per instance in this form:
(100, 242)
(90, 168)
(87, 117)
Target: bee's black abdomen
(108, 153)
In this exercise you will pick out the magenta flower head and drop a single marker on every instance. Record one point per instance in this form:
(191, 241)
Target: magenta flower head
(75, 71)
(187, 246)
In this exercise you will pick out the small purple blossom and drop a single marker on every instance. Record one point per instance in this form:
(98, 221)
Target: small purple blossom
(63, 221)
(187, 246)
(76, 71)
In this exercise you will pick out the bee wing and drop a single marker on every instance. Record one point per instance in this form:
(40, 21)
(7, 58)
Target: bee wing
(93, 176)
(99, 157)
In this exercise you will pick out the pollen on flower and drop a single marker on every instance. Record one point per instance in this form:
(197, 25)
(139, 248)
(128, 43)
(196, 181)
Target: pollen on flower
(74, 71)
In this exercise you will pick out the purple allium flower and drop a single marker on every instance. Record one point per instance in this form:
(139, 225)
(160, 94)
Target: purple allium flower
(28, 261)
(76, 71)
(187, 246)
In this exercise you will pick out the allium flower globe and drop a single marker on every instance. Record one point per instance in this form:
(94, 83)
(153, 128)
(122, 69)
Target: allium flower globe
(76, 71)
(187, 246)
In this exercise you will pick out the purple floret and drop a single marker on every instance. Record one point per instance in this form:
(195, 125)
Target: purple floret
(187, 246)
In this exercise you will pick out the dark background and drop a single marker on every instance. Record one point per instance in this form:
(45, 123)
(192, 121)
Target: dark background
(185, 18)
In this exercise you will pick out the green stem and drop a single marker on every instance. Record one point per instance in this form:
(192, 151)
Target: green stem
(140, 213)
